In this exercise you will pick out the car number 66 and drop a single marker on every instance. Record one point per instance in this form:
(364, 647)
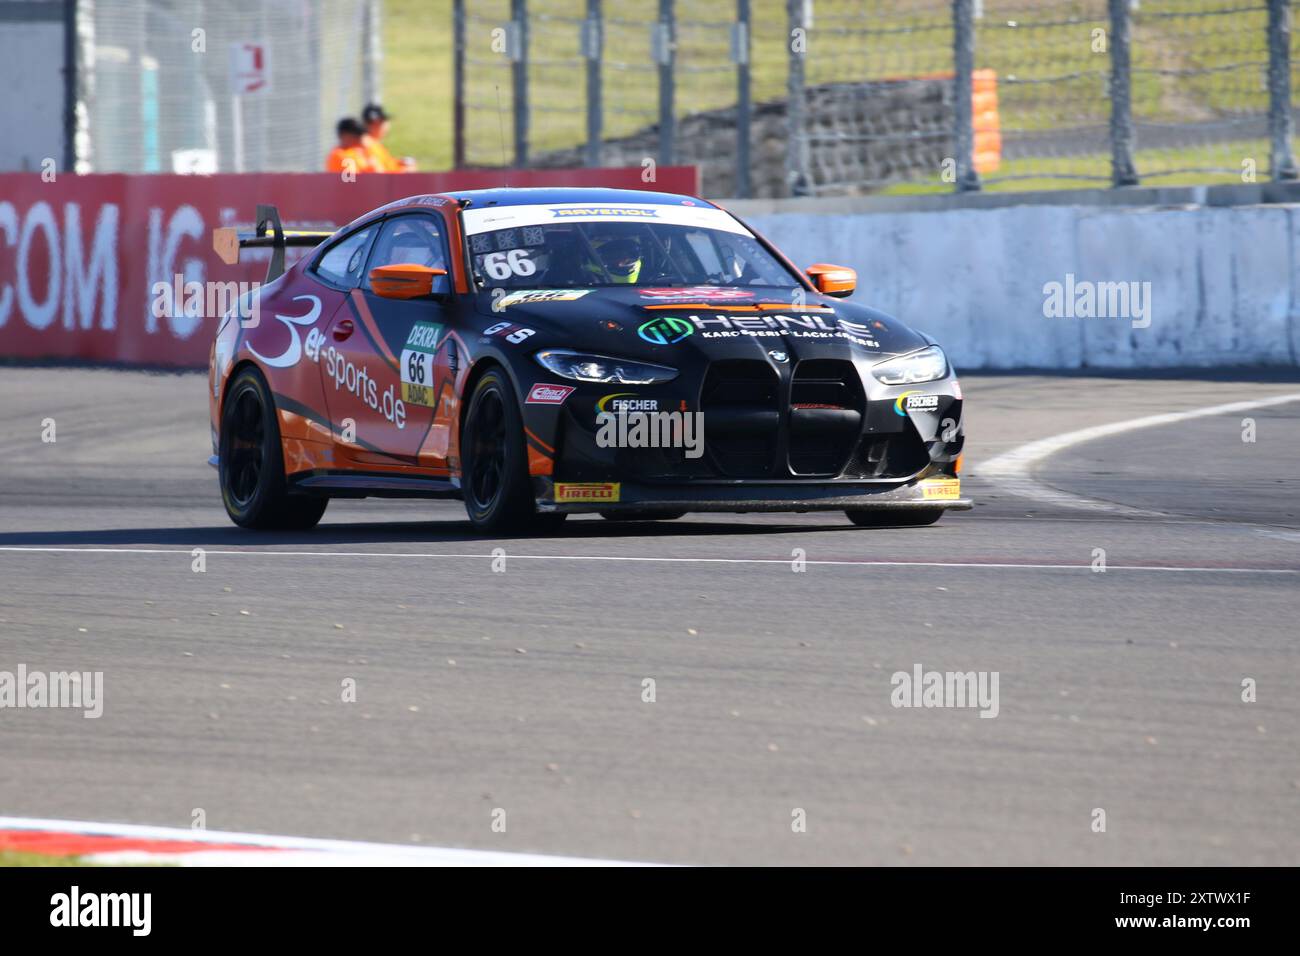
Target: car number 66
(415, 365)
(502, 265)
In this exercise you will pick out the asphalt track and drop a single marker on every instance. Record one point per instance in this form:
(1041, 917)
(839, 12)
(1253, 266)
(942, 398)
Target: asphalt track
(522, 690)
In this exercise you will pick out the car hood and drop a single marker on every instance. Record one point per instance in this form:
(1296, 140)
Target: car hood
(664, 325)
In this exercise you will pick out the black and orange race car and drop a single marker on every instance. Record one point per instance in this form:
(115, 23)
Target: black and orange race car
(540, 352)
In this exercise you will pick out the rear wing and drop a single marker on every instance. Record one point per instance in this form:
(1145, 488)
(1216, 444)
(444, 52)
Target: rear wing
(268, 234)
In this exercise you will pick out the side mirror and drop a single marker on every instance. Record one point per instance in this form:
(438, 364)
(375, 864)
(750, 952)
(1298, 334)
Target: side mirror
(839, 281)
(405, 280)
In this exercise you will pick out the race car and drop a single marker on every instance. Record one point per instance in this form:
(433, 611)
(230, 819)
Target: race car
(544, 352)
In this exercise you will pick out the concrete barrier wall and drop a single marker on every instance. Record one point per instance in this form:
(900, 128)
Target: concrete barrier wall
(1223, 279)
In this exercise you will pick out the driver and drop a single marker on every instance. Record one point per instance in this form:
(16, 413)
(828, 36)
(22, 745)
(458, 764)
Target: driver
(621, 257)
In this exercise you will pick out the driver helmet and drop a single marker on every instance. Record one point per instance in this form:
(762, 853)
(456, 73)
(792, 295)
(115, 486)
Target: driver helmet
(621, 258)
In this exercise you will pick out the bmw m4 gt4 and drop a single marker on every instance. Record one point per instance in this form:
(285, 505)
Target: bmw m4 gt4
(541, 352)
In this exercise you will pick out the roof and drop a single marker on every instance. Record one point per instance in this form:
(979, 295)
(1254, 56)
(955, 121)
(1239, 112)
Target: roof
(521, 196)
(512, 196)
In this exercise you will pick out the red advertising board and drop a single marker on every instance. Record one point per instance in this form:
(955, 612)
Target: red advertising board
(80, 257)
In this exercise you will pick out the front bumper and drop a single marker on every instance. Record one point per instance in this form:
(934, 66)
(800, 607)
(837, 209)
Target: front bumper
(935, 492)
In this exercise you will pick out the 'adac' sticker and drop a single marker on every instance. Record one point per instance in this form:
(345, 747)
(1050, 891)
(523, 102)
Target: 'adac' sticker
(417, 363)
(600, 492)
(946, 489)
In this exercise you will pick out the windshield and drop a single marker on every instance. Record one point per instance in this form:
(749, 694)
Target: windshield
(570, 246)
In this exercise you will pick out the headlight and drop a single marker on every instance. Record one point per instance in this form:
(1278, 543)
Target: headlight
(583, 367)
(923, 366)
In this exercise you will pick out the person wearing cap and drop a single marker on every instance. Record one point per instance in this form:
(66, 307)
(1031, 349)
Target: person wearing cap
(350, 155)
(377, 126)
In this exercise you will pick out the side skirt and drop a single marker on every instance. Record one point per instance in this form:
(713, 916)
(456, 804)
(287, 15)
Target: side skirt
(353, 484)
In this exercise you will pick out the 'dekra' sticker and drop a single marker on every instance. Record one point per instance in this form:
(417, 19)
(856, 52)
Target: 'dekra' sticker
(417, 363)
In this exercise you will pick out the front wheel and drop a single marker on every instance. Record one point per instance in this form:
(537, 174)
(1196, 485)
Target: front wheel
(251, 462)
(894, 517)
(498, 494)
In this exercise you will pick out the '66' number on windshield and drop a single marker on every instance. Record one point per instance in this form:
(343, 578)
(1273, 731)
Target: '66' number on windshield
(502, 265)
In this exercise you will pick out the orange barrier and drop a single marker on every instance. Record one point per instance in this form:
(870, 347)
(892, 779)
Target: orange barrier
(984, 116)
(985, 120)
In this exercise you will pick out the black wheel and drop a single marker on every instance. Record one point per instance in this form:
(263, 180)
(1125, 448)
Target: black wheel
(641, 515)
(251, 463)
(894, 517)
(498, 493)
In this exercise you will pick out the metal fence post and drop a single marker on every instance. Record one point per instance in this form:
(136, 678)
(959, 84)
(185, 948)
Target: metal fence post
(71, 78)
(1123, 171)
(592, 42)
(1281, 127)
(796, 151)
(740, 56)
(519, 78)
(665, 44)
(372, 52)
(963, 33)
(458, 83)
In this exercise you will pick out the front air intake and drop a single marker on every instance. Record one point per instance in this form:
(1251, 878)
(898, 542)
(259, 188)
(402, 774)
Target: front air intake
(827, 405)
(742, 418)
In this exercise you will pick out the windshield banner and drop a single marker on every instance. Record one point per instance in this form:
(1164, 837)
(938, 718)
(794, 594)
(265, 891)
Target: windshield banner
(491, 218)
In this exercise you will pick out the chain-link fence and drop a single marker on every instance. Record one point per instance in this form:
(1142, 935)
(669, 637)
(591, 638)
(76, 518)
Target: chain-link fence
(1200, 87)
(1053, 70)
(835, 97)
(218, 85)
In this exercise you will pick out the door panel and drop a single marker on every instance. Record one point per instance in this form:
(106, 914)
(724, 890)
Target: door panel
(380, 367)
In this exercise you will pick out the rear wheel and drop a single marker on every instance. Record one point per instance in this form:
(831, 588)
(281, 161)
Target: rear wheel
(641, 515)
(894, 517)
(498, 494)
(251, 462)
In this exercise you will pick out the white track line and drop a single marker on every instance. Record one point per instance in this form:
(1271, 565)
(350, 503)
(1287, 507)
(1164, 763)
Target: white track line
(1014, 469)
(299, 851)
(997, 565)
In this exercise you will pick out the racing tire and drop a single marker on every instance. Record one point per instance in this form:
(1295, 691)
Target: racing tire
(495, 482)
(894, 518)
(642, 515)
(251, 462)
